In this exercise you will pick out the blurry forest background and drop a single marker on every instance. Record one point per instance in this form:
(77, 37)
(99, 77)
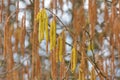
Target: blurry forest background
(59, 39)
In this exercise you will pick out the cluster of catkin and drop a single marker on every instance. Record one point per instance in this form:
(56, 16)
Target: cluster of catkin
(57, 56)
(42, 18)
(73, 58)
(43, 24)
(92, 12)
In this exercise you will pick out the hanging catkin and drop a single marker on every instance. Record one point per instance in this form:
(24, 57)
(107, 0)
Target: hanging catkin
(42, 18)
(22, 35)
(9, 60)
(52, 34)
(81, 74)
(46, 30)
(60, 49)
(92, 12)
(53, 65)
(41, 27)
(17, 38)
(63, 69)
(73, 59)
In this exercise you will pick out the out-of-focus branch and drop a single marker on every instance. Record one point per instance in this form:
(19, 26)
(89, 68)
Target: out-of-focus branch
(16, 67)
(91, 61)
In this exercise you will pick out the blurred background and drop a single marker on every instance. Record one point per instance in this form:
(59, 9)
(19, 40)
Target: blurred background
(105, 52)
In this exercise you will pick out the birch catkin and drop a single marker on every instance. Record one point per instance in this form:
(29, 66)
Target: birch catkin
(41, 27)
(53, 66)
(61, 46)
(92, 12)
(62, 70)
(60, 49)
(42, 18)
(73, 59)
(81, 74)
(52, 34)
(46, 31)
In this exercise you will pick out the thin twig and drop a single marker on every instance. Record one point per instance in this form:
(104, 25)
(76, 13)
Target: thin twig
(60, 21)
(92, 62)
(66, 70)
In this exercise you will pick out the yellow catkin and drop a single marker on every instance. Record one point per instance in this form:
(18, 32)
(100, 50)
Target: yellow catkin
(73, 59)
(46, 26)
(41, 27)
(60, 49)
(46, 30)
(61, 45)
(93, 76)
(52, 35)
(42, 18)
(42, 24)
(38, 17)
(90, 47)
